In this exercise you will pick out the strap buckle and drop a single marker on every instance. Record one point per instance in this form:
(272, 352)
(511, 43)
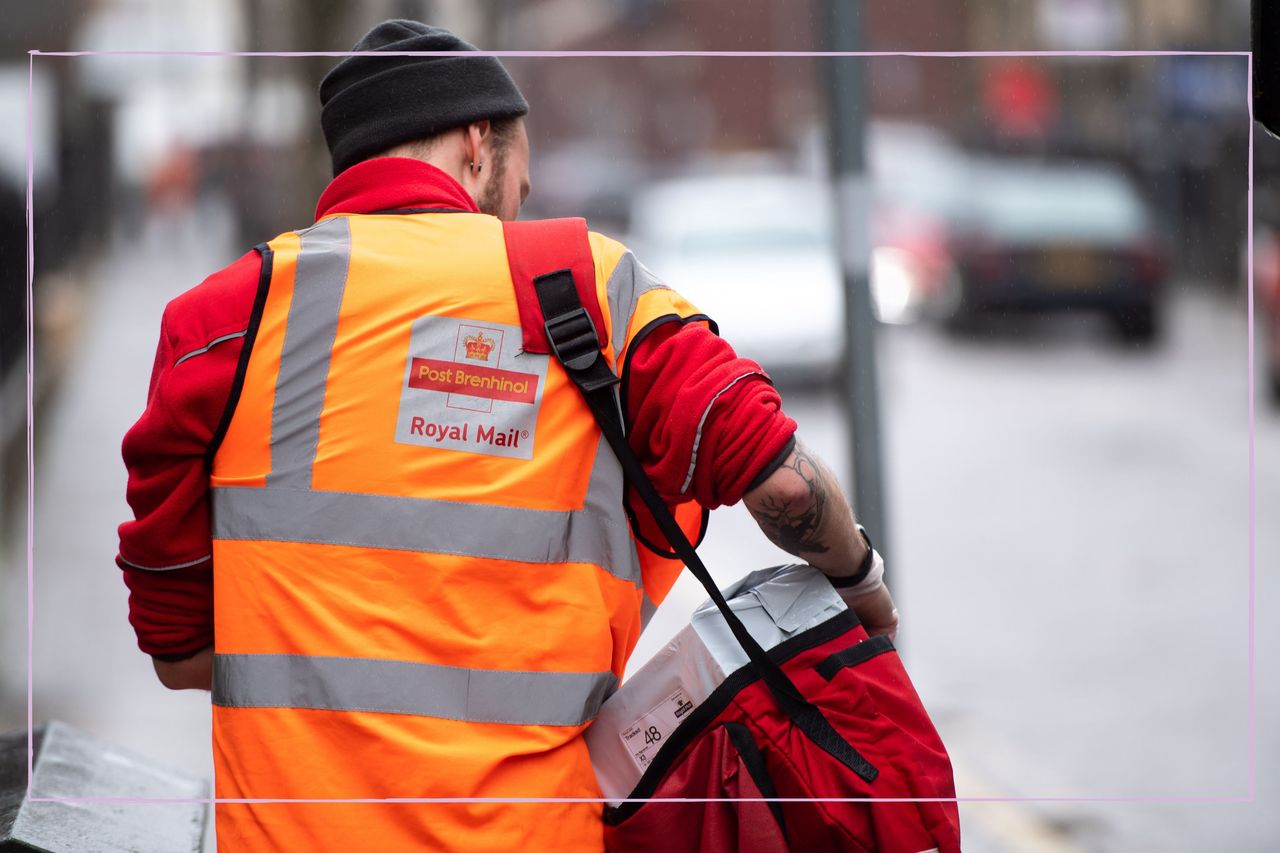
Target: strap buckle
(573, 338)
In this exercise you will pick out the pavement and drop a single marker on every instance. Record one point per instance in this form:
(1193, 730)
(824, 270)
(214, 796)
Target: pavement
(86, 668)
(1068, 545)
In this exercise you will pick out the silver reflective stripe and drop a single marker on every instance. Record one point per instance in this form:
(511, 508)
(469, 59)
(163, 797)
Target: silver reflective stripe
(213, 343)
(603, 504)
(604, 489)
(697, 436)
(629, 280)
(401, 687)
(310, 328)
(647, 609)
(185, 565)
(425, 525)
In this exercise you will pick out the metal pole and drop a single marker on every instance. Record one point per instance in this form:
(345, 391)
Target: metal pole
(846, 102)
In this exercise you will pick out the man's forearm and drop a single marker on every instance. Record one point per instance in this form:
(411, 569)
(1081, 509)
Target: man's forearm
(801, 509)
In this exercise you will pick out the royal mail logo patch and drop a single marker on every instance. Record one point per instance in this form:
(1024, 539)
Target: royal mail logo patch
(469, 387)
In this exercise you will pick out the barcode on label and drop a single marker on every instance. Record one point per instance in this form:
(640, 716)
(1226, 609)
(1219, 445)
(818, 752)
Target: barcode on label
(646, 735)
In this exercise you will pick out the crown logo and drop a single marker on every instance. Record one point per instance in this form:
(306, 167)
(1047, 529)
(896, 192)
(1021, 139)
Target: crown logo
(478, 346)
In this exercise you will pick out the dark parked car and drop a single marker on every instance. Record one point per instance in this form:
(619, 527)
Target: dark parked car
(1048, 238)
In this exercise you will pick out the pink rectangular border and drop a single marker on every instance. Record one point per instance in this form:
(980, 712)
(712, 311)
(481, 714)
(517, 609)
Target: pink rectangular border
(30, 352)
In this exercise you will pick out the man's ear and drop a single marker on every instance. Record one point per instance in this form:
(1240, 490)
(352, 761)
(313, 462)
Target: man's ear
(477, 132)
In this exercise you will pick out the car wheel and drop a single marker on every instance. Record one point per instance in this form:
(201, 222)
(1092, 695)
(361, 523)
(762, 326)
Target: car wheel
(1138, 325)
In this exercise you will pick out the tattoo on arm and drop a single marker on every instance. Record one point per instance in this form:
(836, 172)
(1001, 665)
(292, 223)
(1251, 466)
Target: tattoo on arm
(793, 524)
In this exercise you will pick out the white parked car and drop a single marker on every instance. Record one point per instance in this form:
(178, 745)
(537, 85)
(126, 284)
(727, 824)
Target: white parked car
(755, 252)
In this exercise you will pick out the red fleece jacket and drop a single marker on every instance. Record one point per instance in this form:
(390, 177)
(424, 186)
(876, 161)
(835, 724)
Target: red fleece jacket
(678, 377)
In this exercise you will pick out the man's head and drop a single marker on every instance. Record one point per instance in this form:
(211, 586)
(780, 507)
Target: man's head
(461, 113)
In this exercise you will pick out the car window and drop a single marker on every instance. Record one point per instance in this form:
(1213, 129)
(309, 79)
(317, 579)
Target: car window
(1065, 204)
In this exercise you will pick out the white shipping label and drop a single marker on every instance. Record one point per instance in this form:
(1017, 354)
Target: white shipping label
(645, 736)
(468, 386)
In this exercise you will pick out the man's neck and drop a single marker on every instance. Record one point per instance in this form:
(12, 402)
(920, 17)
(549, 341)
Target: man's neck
(393, 183)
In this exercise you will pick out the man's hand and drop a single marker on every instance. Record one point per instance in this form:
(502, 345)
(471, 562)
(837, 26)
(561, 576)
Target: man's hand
(193, 673)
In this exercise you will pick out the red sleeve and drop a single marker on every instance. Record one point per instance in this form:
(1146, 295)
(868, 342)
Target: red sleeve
(165, 552)
(703, 420)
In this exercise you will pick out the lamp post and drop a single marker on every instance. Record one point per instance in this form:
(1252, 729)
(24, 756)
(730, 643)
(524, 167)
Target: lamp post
(846, 110)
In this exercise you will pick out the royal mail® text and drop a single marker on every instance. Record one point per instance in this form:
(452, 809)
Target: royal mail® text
(454, 433)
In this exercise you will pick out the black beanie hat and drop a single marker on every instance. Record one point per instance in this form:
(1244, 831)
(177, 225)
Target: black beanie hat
(371, 103)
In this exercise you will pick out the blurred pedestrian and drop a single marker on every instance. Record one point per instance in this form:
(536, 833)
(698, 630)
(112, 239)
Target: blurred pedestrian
(389, 538)
(1021, 103)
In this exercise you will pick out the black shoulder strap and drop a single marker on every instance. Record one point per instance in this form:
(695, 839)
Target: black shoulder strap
(576, 343)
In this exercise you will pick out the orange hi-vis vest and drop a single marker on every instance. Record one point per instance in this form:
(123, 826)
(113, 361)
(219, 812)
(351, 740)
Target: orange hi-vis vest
(425, 583)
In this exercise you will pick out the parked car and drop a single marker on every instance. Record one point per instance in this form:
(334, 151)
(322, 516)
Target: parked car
(1051, 238)
(756, 252)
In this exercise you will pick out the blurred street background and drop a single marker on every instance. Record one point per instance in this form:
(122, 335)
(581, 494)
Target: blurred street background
(1058, 272)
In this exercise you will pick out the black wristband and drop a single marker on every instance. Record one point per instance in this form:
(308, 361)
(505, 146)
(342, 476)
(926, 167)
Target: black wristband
(863, 570)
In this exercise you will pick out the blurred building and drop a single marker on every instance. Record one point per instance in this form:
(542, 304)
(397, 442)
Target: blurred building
(1177, 123)
(730, 103)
